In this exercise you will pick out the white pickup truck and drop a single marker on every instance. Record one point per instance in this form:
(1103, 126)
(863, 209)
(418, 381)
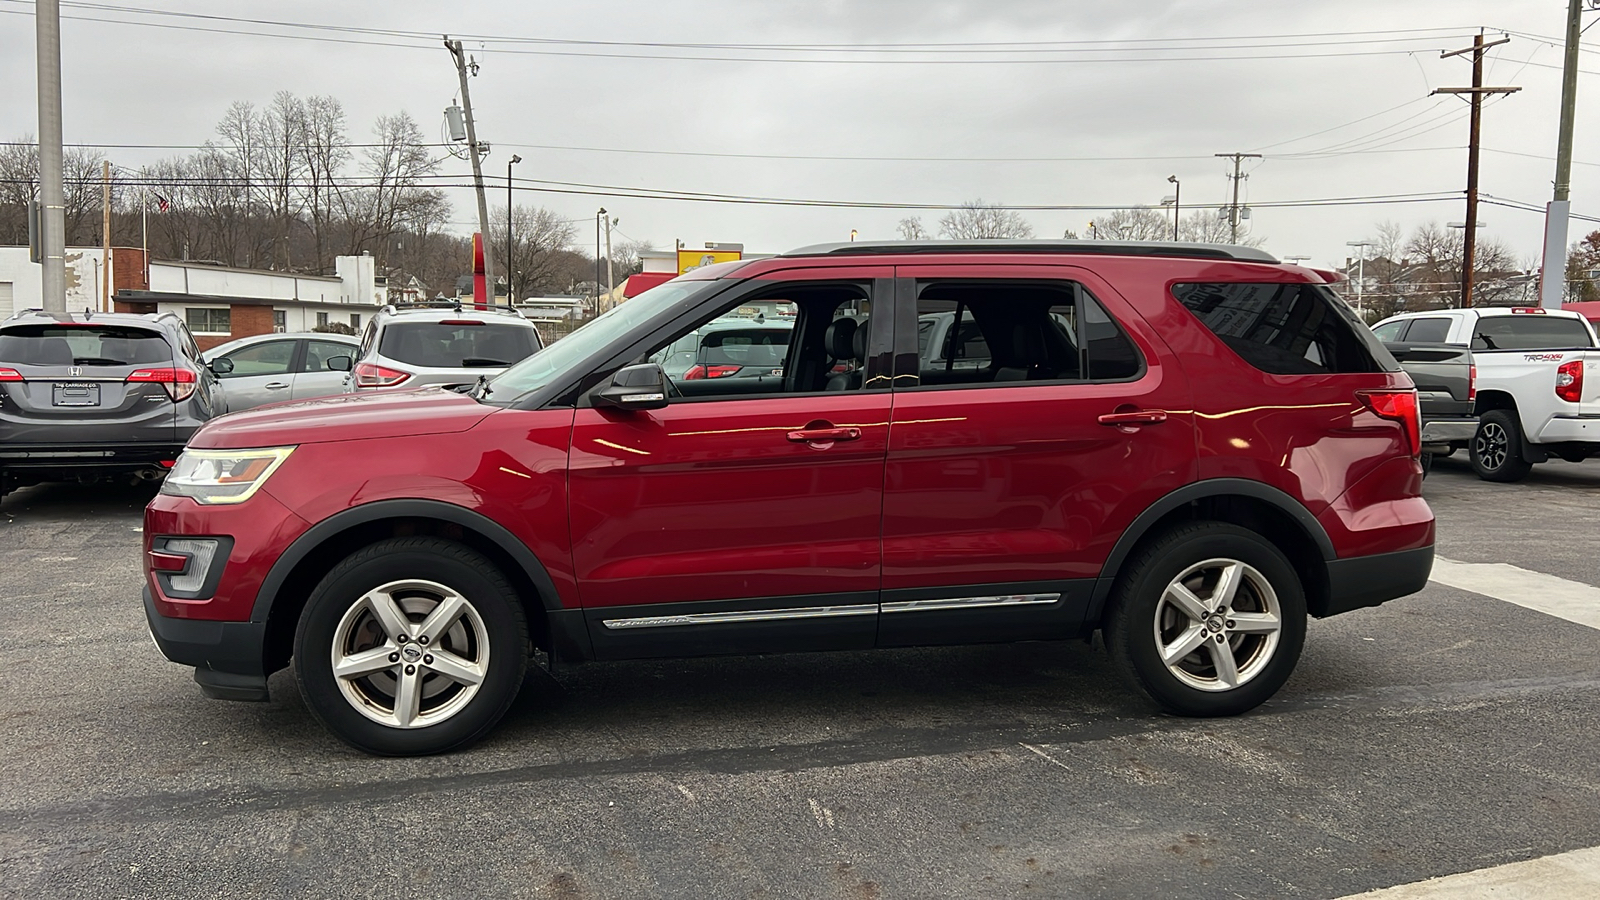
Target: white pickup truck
(1537, 382)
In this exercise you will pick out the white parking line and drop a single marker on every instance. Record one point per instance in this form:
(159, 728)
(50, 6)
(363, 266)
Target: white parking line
(1565, 876)
(1570, 600)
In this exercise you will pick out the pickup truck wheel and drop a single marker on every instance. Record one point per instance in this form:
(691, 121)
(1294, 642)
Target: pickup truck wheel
(1497, 448)
(1208, 620)
(411, 646)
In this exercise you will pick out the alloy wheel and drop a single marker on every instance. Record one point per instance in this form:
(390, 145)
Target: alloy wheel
(1493, 444)
(1217, 624)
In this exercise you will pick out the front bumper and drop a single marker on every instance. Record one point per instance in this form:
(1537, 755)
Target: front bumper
(227, 656)
(1364, 581)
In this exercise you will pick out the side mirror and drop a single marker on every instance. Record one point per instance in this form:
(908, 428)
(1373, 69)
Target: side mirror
(643, 386)
(339, 363)
(220, 366)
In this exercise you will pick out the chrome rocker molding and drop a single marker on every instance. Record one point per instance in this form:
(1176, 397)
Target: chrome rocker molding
(823, 612)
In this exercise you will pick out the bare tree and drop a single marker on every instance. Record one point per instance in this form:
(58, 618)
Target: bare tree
(625, 258)
(538, 257)
(976, 220)
(1140, 223)
(394, 196)
(324, 150)
(19, 182)
(1205, 227)
(911, 229)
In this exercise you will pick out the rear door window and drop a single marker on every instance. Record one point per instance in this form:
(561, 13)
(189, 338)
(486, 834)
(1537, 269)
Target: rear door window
(1286, 329)
(1529, 331)
(1432, 330)
(83, 346)
(457, 343)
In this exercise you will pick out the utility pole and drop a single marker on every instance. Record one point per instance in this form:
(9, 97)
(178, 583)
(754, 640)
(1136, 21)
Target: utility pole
(477, 152)
(52, 196)
(597, 219)
(1553, 271)
(1234, 210)
(610, 281)
(511, 247)
(105, 236)
(1475, 96)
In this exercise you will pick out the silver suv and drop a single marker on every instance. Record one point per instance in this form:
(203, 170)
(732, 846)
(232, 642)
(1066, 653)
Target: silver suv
(434, 344)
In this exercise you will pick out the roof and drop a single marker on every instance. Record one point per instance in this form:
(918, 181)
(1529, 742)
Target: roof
(1103, 248)
(133, 296)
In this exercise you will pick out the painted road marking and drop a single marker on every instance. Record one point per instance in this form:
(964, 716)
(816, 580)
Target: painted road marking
(1565, 876)
(1570, 600)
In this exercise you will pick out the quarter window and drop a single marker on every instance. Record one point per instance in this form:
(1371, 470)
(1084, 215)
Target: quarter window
(1006, 332)
(1432, 330)
(1282, 329)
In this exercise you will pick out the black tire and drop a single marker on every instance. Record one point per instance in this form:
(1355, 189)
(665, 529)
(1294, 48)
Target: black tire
(1426, 460)
(490, 634)
(1134, 643)
(1497, 448)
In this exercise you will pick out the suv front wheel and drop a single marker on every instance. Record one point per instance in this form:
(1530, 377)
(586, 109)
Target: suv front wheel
(411, 646)
(1208, 620)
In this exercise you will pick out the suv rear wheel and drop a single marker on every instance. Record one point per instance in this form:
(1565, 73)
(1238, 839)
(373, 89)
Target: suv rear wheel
(411, 646)
(1208, 620)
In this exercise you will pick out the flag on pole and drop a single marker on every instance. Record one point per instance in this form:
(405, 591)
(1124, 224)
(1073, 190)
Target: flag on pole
(161, 202)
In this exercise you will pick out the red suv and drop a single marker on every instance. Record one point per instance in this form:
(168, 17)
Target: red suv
(1187, 447)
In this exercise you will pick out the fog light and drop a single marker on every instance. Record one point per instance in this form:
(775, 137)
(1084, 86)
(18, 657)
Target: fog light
(201, 551)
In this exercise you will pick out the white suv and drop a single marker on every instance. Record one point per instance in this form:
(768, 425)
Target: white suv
(429, 344)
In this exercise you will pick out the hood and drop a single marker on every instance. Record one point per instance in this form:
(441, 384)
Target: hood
(345, 417)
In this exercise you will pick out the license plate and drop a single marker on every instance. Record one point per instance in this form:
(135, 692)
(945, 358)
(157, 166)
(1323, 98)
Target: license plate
(71, 394)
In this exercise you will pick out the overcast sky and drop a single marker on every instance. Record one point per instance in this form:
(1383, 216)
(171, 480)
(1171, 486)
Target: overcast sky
(1109, 114)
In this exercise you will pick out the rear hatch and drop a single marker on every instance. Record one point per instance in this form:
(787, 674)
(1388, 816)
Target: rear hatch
(457, 350)
(76, 384)
(1443, 375)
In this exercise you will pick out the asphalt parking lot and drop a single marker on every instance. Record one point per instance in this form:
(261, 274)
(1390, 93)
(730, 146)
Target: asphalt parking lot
(1441, 733)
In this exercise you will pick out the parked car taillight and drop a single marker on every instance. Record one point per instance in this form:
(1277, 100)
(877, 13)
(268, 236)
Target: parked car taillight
(180, 383)
(1569, 381)
(1472, 382)
(696, 373)
(10, 375)
(1400, 406)
(374, 375)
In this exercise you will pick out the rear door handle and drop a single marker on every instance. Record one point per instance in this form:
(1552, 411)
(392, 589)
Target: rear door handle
(819, 435)
(277, 386)
(1135, 417)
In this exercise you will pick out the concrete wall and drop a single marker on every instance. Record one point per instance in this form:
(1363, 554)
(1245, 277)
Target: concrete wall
(20, 279)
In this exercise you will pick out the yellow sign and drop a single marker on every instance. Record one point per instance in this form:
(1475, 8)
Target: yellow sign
(694, 259)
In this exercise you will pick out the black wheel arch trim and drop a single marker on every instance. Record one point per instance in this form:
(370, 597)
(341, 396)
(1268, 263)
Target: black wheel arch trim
(402, 509)
(1201, 490)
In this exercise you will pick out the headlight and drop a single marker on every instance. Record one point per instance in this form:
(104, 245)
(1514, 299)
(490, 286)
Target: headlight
(223, 476)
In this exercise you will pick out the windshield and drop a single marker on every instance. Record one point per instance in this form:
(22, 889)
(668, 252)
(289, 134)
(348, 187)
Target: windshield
(545, 366)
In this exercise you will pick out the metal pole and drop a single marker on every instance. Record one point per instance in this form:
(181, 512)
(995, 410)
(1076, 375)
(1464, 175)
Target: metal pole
(1553, 271)
(477, 165)
(1177, 203)
(105, 235)
(510, 246)
(52, 196)
(1469, 245)
(597, 217)
(144, 228)
(610, 280)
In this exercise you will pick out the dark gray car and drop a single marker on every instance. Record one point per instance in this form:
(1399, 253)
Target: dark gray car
(85, 396)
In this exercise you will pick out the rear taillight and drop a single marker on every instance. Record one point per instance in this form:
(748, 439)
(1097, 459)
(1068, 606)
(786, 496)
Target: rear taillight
(10, 375)
(1569, 381)
(374, 375)
(1472, 382)
(1399, 406)
(180, 383)
(698, 372)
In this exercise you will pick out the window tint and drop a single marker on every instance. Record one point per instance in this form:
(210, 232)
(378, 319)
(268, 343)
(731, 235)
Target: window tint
(1529, 331)
(54, 345)
(265, 358)
(987, 332)
(446, 345)
(1389, 331)
(1284, 329)
(319, 352)
(1432, 330)
(821, 348)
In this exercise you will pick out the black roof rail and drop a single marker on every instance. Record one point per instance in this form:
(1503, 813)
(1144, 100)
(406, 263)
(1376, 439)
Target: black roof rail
(1101, 248)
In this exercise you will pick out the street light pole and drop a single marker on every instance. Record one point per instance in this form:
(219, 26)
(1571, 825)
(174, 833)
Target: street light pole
(52, 196)
(1177, 203)
(599, 217)
(1361, 273)
(511, 297)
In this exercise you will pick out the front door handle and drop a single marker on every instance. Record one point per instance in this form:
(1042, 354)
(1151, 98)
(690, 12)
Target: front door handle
(821, 435)
(1134, 417)
(277, 386)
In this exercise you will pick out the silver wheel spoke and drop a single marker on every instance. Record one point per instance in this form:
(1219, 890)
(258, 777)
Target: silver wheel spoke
(442, 617)
(364, 663)
(455, 668)
(1227, 586)
(1227, 667)
(388, 614)
(1187, 643)
(1186, 602)
(407, 697)
(1254, 623)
